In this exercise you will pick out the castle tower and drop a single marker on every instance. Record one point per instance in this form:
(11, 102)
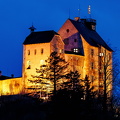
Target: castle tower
(36, 49)
(83, 42)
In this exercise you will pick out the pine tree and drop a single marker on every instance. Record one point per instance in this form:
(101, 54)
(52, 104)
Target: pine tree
(52, 72)
(88, 89)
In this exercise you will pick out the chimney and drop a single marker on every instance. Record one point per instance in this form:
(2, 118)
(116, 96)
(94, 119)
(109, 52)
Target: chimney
(77, 19)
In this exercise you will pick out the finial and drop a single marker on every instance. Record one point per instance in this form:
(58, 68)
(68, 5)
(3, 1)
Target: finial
(32, 28)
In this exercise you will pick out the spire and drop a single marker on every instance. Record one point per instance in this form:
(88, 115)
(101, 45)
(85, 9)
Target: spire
(89, 11)
(32, 28)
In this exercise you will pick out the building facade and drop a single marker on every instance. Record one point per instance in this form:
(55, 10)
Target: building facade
(81, 46)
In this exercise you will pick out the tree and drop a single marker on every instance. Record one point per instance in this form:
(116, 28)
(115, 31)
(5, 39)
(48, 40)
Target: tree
(52, 72)
(73, 85)
(106, 75)
(88, 89)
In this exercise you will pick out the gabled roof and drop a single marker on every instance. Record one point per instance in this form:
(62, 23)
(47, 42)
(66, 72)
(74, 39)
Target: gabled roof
(91, 36)
(40, 37)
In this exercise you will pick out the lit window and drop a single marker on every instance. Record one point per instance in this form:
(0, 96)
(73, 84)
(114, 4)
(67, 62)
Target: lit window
(61, 51)
(75, 50)
(42, 62)
(92, 52)
(101, 54)
(42, 51)
(28, 65)
(28, 52)
(101, 84)
(67, 30)
(35, 51)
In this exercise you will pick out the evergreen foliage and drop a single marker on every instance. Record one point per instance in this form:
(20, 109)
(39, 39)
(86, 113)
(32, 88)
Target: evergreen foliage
(51, 73)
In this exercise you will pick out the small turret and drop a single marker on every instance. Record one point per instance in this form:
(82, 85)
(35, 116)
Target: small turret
(32, 28)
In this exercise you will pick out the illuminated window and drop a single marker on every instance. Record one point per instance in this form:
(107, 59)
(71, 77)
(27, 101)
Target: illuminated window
(42, 62)
(42, 51)
(67, 30)
(28, 65)
(101, 54)
(101, 84)
(28, 52)
(75, 50)
(35, 51)
(92, 52)
(61, 51)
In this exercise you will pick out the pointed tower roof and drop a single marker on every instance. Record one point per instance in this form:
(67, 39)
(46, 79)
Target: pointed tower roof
(32, 28)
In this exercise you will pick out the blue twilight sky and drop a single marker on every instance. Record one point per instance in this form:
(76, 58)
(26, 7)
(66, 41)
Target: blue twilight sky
(16, 16)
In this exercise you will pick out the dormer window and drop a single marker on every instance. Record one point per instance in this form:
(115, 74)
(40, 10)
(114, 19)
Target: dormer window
(75, 50)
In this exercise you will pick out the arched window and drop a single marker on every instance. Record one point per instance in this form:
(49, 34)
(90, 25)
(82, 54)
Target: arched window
(28, 65)
(42, 50)
(42, 62)
(35, 51)
(28, 52)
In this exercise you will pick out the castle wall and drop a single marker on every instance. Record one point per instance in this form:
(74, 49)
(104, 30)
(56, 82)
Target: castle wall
(91, 63)
(33, 57)
(11, 86)
(75, 62)
(70, 36)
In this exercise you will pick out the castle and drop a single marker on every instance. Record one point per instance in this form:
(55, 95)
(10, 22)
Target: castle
(77, 40)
